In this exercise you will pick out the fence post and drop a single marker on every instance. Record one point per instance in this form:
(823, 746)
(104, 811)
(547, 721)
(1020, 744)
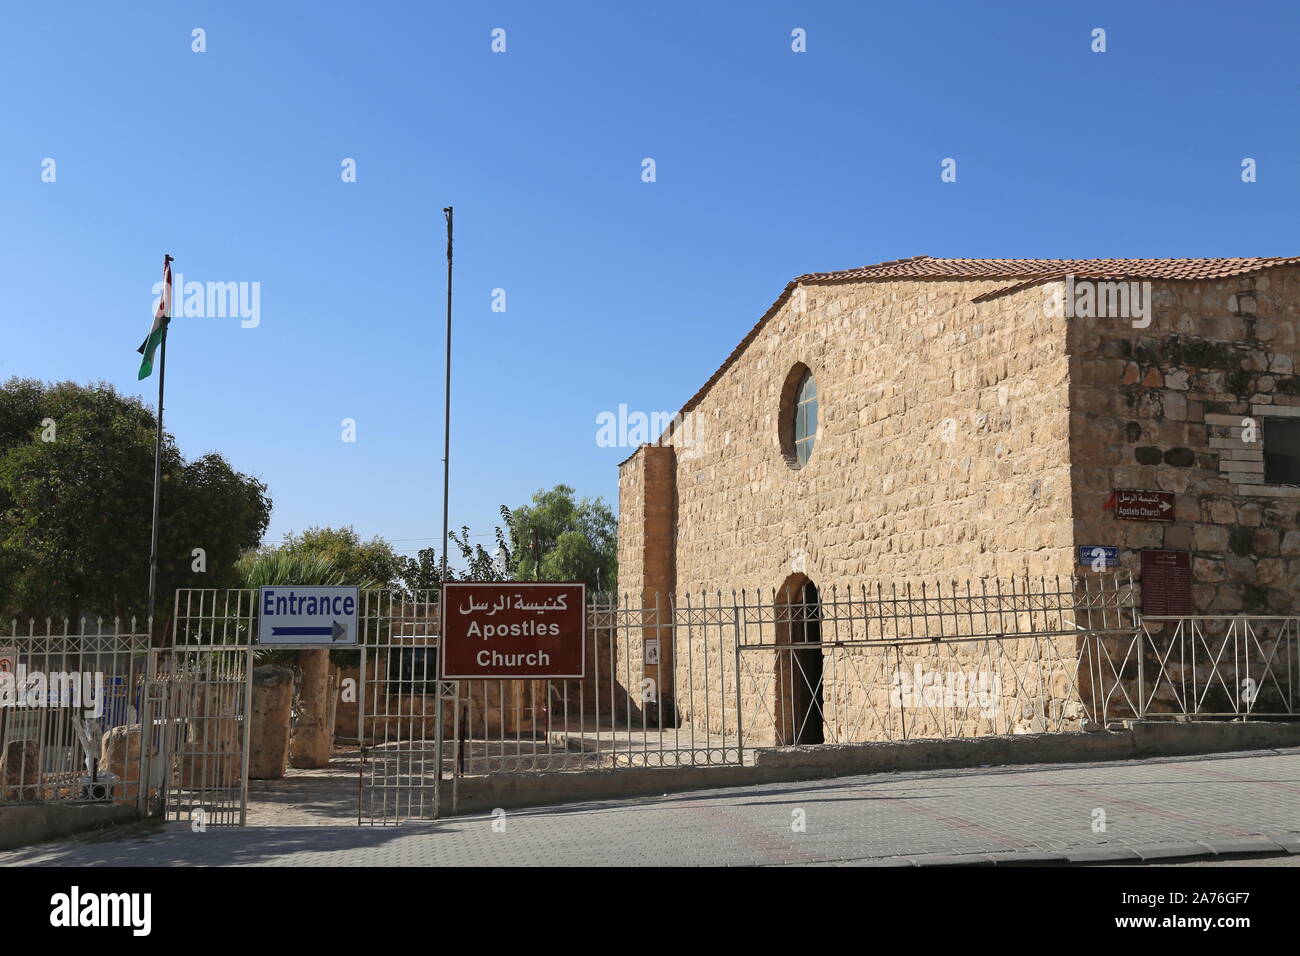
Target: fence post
(740, 721)
(247, 737)
(145, 765)
(1142, 684)
(902, 704)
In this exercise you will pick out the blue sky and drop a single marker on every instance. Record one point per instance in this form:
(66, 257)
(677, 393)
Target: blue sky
(769, 163)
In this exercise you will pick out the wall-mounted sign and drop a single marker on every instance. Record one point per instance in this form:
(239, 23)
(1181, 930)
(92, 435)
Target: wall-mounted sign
(652, 650)
(1098, 556)
(1166, 583)
(1137, 505)
(8, 660)
(292, 616)
(513, 630)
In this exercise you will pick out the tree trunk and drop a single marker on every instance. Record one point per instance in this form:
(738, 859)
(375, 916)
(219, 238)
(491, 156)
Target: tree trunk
(313, 737)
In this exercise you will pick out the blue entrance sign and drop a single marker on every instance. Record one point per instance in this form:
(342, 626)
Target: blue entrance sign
(291, 616)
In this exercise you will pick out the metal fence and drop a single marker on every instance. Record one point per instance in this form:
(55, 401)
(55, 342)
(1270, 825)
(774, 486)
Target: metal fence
(690, 680)
(955, 660)
(659, 691)
(1208, 666)
(73, 703)
(705, 678)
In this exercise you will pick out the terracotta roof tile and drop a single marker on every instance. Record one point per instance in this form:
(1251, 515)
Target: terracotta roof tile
(924, 267)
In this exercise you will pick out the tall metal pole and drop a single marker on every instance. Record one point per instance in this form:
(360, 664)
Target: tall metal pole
(157, 459)
(442, 589)
(446, 425)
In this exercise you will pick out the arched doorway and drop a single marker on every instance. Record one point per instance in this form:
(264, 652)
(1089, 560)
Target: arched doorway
(798, 663)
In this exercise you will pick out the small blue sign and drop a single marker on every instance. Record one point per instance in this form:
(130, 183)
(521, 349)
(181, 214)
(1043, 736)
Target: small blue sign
(1098, 556)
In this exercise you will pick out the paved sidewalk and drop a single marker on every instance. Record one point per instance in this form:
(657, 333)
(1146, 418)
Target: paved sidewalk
(1154, 809)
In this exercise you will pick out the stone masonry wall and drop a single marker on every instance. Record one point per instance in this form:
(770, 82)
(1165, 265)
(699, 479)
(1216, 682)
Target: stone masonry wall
(960, 440)
(885, 496)
(941, 454)
(1162, 408)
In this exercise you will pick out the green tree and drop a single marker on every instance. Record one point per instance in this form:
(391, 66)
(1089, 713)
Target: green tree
(76, 507)
(368, 564)
(556, 538)
(560, 538)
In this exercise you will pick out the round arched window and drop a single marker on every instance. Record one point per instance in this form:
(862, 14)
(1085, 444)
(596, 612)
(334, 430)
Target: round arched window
(798, 417)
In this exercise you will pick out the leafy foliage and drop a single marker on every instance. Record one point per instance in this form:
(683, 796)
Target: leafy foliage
(556, 538)
(76, 506)
(367, 564)
(268, 568)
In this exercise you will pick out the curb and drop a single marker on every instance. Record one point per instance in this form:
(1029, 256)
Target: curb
(1283, 845)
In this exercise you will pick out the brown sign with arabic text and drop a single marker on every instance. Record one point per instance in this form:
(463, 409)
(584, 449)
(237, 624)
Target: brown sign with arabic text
(1166, 582)
(505, 630)
(1138, 505)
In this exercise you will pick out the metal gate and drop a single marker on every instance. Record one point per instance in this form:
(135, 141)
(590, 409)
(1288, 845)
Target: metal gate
(405, 710)
(202, 688)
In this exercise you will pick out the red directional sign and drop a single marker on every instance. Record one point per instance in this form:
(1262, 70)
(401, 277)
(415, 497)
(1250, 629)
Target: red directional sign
(504, 630)
(1138, 505)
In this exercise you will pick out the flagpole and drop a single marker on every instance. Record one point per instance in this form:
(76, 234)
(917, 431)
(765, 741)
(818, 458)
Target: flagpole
(446, 426)
(157, 458)
(442, 583)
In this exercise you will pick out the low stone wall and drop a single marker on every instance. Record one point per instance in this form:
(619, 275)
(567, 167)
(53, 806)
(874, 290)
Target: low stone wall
(1138, 739)
(25, 825)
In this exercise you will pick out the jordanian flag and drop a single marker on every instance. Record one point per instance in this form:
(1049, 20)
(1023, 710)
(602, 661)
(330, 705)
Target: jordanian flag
(160, 318)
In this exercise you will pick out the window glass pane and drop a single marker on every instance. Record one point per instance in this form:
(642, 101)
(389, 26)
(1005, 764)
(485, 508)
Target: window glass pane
(804, 419)
(1281, 451)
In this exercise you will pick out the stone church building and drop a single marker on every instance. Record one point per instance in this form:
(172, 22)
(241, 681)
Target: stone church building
(949, 419)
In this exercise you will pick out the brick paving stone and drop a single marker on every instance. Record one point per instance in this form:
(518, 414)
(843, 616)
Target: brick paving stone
(1154, 810)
